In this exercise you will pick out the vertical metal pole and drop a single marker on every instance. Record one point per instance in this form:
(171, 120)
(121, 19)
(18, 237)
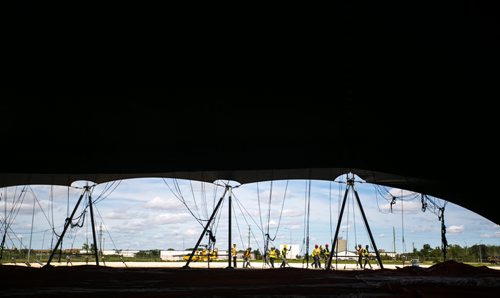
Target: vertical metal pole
(66, 225)
(229, 250)
(93, 230)
(338, 227)
(368, 228)
(32, 223)
(205, 229)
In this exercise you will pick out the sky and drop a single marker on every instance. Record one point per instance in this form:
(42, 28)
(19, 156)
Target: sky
(156, 213)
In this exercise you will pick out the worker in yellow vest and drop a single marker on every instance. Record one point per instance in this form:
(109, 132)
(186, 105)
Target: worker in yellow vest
(246, 258)
(366, 256)
(272, 256)
(316, 254)
(234, 253)
(283, 256)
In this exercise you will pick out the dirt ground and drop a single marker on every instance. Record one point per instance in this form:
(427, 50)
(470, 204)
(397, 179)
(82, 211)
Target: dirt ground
(441, 280)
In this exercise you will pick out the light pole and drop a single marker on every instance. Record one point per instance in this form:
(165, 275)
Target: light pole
(480, 256)
(21, 247)
(465, 250)
(43, 241)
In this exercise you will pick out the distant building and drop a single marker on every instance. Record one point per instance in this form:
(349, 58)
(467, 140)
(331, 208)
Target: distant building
(173, 255)
(119, 252)
(341, 244)
(347, 255)
(382, 252)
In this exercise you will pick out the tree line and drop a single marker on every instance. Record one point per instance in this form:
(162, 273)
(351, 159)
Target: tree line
(474, 253)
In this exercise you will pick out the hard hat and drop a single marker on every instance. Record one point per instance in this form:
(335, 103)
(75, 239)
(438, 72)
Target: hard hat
(316, 246)
(284, 245)
(326, 244)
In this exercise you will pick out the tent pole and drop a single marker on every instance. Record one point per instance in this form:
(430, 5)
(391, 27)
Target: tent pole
(368, 228)
(66, 225)
(329, 263)
(206, 227)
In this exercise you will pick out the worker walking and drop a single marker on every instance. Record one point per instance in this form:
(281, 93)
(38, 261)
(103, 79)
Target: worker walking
(68, 260)
(272, 256)
(283, 257)
(360, 256)
(246, 258)
(366, 256)
(234, 253)
(316, 254)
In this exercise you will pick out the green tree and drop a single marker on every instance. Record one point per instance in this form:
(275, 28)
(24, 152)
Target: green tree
(425, 252)
(257, 254)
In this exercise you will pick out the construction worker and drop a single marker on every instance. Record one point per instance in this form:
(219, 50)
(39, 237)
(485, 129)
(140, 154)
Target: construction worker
(213, 254)
(366, 255)
(283, 257)
(360, 256)
(234, 252)
(316, 253)
(68, 260)
(272, 256)
(326, 253)
(246, 258)
(204, 255)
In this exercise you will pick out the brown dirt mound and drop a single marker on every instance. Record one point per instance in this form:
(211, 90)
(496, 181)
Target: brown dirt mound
(444, 279)
(452, 268)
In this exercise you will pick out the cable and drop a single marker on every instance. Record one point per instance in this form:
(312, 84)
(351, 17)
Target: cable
(354, 216)
(330, 209)
(181, 199)
(238, 226)
(308, 219)
(109, 234)
(241, 207)
(260, 212)
(194, 198)
(281, 212)
(101, 197)
(402, 225)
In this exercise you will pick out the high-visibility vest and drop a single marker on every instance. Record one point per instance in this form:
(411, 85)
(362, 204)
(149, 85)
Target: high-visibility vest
(272, 254)
(283, 252)
(235, 252)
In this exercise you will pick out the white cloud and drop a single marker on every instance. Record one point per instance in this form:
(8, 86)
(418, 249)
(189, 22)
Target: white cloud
(169, 218)
(407, 207)
(116, 215)
(455, 229)
(273, 223)
(401, 192)
(159, 203)
(490, 235)
(191, 232)
(421, 229)
(292, 213)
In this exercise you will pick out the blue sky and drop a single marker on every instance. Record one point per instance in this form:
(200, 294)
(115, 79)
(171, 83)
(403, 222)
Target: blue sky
(146, 214)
